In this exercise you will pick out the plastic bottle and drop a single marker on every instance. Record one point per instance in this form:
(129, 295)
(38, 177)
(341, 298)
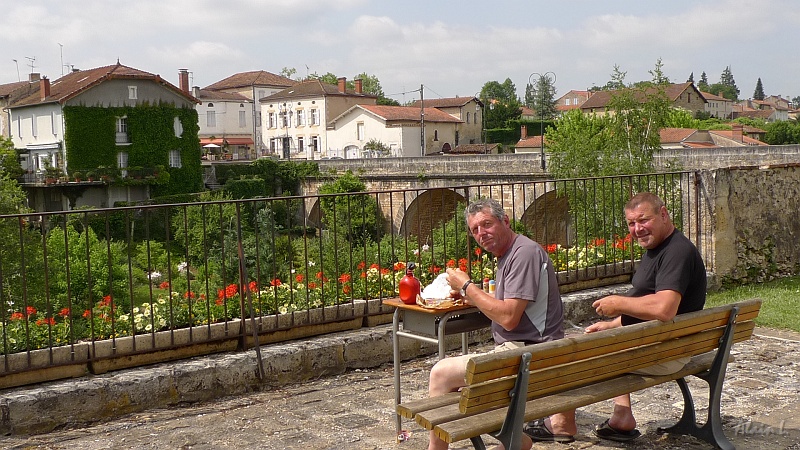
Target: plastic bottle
(486, 285)
(409, 286)
(492, 286)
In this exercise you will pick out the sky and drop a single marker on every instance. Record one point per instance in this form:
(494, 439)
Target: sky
(452, 48)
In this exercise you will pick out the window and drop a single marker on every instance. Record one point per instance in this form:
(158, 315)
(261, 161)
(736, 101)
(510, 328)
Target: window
(133, 92)
(177, 126)
(300, 142)
(315, 117)
(360, 131)
(53, 122)
(285, 119)
(211, 119)
(242, 119)
(19, 126)
(468, 113)
(315, 143)
(175, 159)
(301, 117)
(435, 135)
(271, 119)
(122, 163)
(34, 130)
(122, 130)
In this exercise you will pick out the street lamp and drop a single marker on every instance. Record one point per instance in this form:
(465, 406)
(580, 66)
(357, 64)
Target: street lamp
(546, 80)
(479, 106)
(286, 117)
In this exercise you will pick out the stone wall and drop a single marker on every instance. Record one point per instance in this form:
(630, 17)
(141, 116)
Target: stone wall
(753, 218)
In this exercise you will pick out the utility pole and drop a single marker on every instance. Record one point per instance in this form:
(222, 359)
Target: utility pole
(422, 119)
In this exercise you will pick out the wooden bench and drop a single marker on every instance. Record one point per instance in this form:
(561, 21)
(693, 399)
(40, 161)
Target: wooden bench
(506, 389)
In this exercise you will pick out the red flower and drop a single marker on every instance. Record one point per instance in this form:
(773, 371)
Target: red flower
(361, 265)
(435, 269)
(374, 266)
(87, 314)
(320, 275)
(478, 251)
(346, 289)
(30, 310)
(46, 321)
(451, 263)
(64, 312)
(552, 248)
(462, 264)
(203, 296)
(275, 283)
(220, 295)
(385, 271)
(398, 266)
(345, 277)
(164, 285)
(188, 294)
(17, 316)
(253, 286)
(106, 301)
(599, 242)
(312, 285)
(231, 290)
(219, 301)
(363, 274)
(299, 278)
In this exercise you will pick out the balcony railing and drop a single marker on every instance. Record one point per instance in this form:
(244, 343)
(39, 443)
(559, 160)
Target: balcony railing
(154, 278)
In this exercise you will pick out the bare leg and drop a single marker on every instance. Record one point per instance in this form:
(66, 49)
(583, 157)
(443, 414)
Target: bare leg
(447, 375)
(622, 418)
(563, 423)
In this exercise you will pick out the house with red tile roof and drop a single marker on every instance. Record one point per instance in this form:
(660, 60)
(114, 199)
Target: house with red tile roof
(8, 92)
(718, 106)
(397, 127)
(468, 109)
(222, 122)
(571, 100)
(692, 138)
(297, 119)
(683, 95)
(104, 119)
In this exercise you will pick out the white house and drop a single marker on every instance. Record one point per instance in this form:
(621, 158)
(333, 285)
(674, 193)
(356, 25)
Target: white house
(468, 109)
(295, 121)
(397, 127)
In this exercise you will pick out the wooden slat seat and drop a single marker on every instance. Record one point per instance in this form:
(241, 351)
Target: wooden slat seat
(581, 370)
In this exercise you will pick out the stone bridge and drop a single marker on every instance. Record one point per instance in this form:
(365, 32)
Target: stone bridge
(408, 188)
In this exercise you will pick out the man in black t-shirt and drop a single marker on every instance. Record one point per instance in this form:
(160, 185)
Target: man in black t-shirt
(670, 280)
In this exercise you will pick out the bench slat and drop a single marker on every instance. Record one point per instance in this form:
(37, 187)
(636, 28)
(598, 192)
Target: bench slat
(410, 408)
(487, 422)
(487, 367)
(495, 393)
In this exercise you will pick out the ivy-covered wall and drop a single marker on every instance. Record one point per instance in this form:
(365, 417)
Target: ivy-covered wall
(90, 140)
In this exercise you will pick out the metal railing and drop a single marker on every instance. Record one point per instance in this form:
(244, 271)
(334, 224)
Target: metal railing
(98, 284)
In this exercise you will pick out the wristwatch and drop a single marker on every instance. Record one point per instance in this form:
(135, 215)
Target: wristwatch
(464, 288)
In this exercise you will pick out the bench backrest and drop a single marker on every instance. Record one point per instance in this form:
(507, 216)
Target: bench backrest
(585, 359)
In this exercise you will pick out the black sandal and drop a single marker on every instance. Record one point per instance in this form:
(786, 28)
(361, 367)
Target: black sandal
(538, 432)
(606, 431)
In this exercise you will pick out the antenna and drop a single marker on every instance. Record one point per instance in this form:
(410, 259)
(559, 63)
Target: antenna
(32, 62)
(17, 63)
(61, 48)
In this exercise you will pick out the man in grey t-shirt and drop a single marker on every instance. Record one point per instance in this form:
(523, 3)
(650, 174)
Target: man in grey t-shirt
(525, 309)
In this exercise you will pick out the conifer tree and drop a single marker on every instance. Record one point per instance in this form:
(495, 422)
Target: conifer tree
(759, 92)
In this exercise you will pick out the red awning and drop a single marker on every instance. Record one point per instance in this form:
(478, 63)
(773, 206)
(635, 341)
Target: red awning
(239, 141)
(205, 141)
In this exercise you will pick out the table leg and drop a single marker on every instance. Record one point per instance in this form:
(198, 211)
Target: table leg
(396, 352)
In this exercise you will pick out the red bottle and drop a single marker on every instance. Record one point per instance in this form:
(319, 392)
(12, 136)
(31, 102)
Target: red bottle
(409, 286)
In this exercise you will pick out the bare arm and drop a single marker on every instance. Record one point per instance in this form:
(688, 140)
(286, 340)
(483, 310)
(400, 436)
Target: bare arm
(663, 305)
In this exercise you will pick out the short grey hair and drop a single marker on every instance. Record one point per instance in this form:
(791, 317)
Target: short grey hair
(481, 204)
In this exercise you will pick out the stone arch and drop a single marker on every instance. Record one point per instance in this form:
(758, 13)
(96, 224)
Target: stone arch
(548, 219)
(429, 210)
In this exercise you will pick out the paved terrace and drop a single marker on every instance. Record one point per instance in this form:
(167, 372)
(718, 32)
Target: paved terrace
(354, 408)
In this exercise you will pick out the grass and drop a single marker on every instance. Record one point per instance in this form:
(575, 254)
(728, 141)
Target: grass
(781, 299)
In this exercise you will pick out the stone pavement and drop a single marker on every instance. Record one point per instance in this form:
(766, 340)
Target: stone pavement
(354, 410)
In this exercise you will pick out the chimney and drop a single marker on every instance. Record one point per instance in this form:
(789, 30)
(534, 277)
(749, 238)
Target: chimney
(34, 77)
(183, 76)
(196, 91)
(44, 87)
(523, 132)
(342, 84)
(359, 86)
(738, 133)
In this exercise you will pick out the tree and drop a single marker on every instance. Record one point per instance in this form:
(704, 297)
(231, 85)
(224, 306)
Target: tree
(723, 91)
(288, 72)
(378, 147)
(702, 85)
(658, 74)
(796, 101)
(502, 102)
(356, 217)
(726, 79)
(758, 94)
(691, 78)
(541, 97)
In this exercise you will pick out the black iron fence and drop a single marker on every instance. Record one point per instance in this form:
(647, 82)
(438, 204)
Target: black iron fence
(80, 288)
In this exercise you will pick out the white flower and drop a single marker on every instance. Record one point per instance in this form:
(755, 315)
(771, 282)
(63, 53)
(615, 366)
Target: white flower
(182, 267)
(425, 247)
(416, 252)
(155, 275)
(311, 263)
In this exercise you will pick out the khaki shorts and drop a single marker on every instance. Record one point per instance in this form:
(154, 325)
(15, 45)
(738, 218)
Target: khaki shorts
(508, 345)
